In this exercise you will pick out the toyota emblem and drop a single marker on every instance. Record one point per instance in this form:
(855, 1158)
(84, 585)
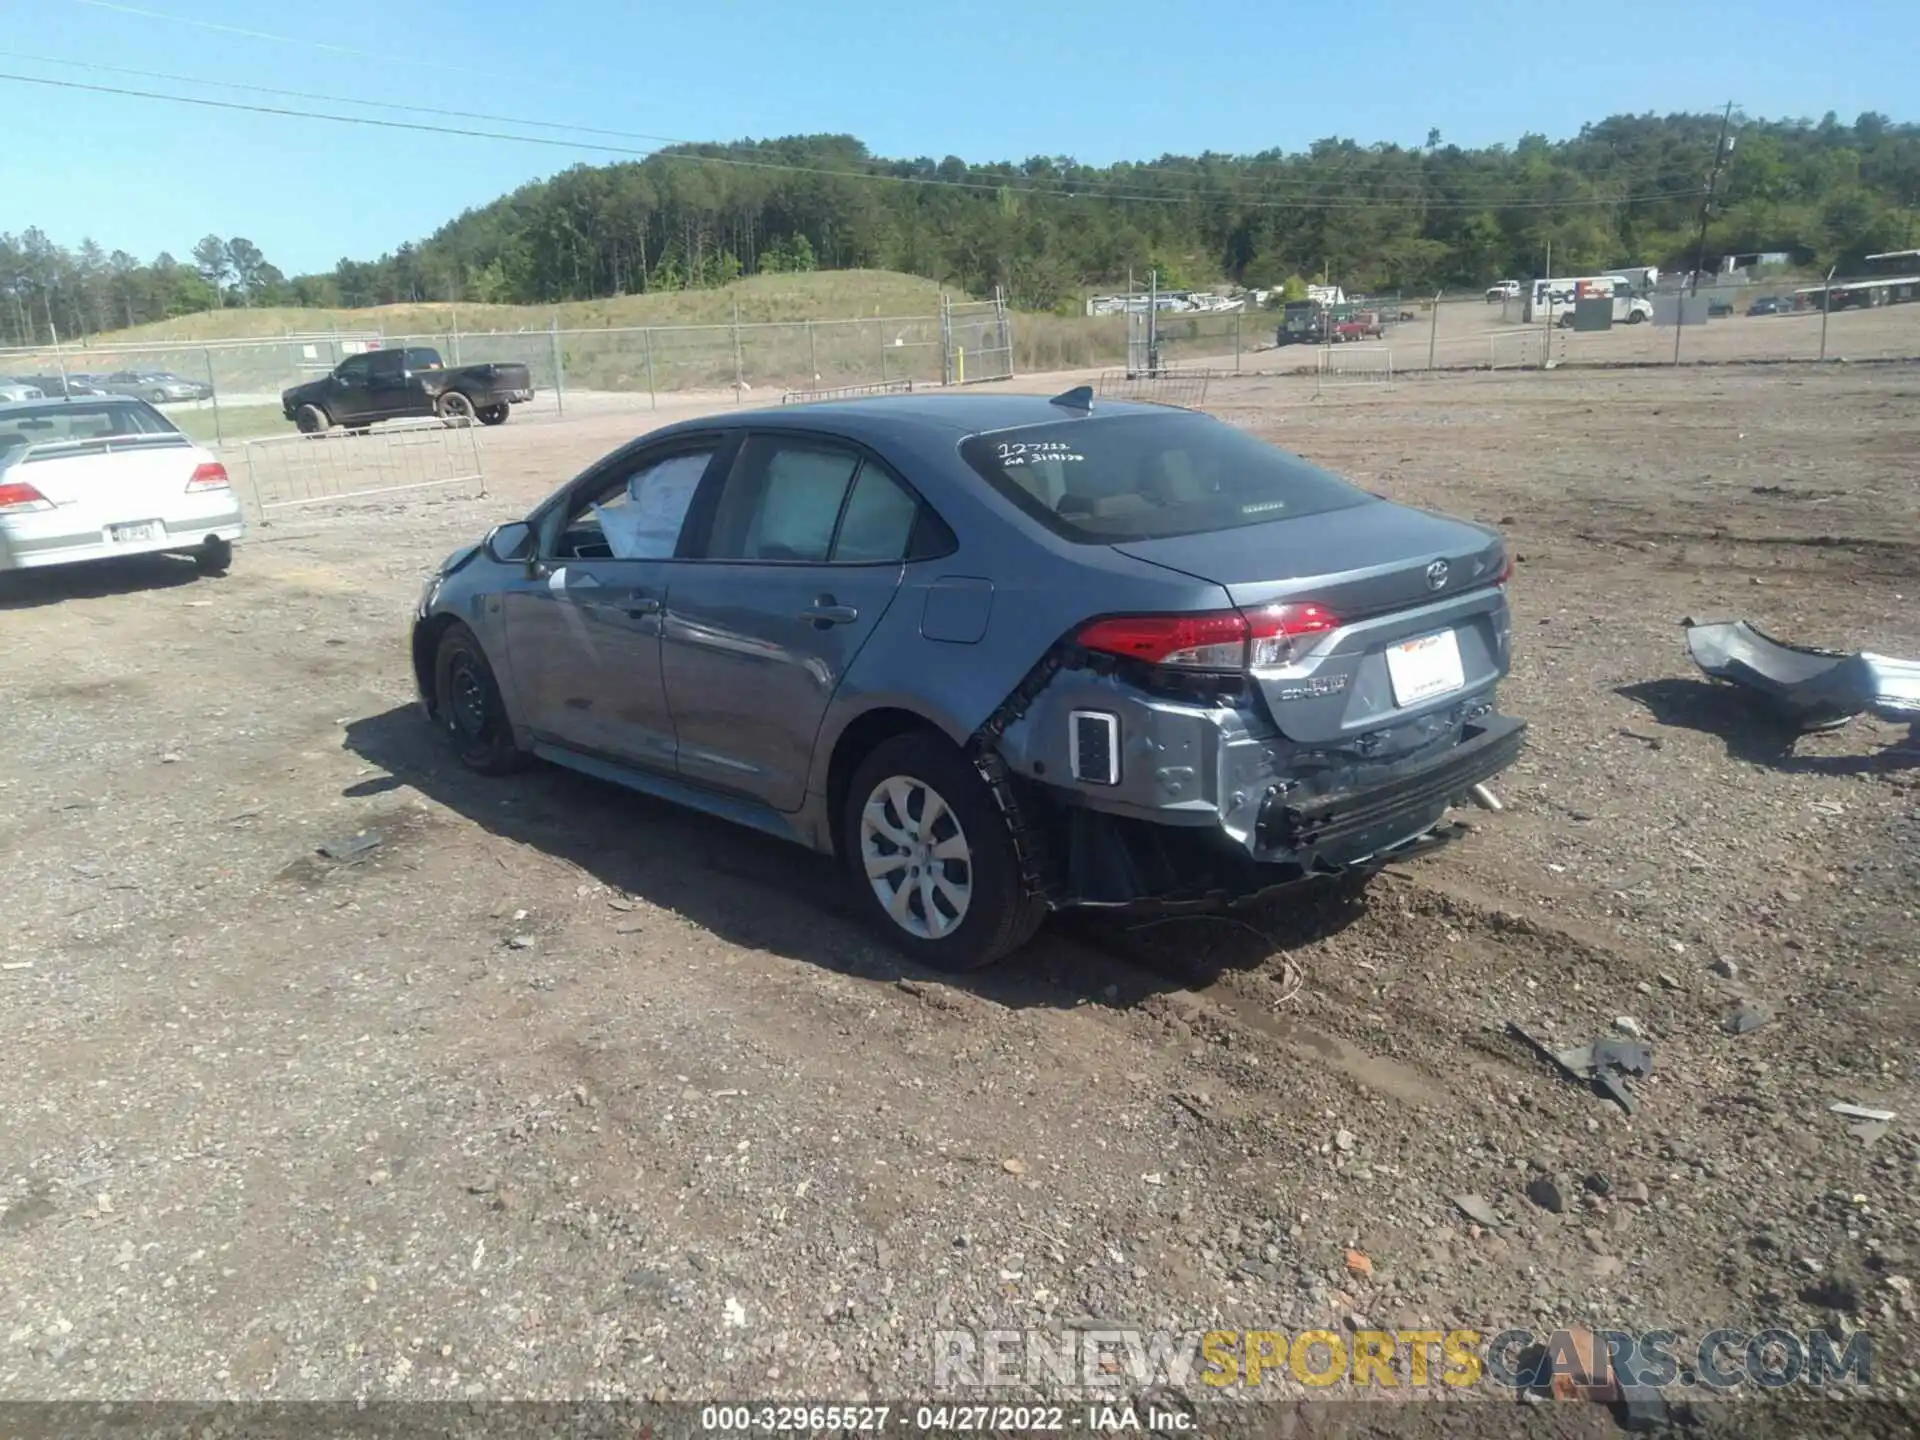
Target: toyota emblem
(1437, 575)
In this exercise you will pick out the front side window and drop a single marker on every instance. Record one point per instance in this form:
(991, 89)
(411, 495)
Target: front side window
(1106, 480)
(637, 514)
(354, 369)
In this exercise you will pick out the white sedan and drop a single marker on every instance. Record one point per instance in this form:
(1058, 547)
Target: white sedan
(89, 479)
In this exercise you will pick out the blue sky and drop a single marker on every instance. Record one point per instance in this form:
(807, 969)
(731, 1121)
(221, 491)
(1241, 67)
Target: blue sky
(989, 79)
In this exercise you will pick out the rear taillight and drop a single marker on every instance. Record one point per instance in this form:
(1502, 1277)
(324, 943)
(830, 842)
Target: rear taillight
(1279, 632)
(1506, 571)
(1209, 640)
(17, 497)
(210, 476)
(1214, 640)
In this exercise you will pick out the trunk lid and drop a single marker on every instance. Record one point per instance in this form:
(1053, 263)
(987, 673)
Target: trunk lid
(122, 481)
(1391, 574)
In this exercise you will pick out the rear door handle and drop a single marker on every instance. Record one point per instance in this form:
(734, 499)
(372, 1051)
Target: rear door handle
(824, 612)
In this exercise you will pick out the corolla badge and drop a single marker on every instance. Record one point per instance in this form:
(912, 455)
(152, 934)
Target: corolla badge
(1437, 575)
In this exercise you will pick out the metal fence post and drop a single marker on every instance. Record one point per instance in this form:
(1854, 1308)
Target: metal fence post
(1433, 330)
(253, 484)
(946, 339)
(737, 376)
(1236, 342)
(880, 331)
(1006, 326)
(559, 369)
(213, 394)
(813, 355)
(456, 333)
(646, 338)
(1826, 309)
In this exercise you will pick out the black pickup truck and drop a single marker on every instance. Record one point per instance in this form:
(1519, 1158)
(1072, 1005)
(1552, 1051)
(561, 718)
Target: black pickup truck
(403, 384)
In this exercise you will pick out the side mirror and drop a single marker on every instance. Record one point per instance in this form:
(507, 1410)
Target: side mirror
(510, 544)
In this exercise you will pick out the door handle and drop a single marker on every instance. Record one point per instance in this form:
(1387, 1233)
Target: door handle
(634, 606)
(824, 612)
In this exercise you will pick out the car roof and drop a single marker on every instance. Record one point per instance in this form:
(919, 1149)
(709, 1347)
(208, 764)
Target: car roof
(61, 402)
(880, 416)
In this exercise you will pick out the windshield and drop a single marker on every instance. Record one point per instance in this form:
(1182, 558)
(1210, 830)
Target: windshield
(1106, 480)
(33, 424)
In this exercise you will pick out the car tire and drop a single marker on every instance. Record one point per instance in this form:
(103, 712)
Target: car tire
(311, 420)
(453, 407)
(1635, 317)
(492, 414)
(467, 704)
(914, 797)
(214, 557)
(158, 397)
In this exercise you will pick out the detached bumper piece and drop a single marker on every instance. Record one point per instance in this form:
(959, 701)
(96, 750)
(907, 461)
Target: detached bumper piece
(1815, 689)
(1488, 747)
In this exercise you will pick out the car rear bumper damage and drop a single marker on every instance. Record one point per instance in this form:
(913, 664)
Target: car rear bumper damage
(1153, 801)
(1392, 794)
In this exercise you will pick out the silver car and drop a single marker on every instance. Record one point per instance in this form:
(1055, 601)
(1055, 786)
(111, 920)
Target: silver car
(95, 479)
(1000, 654)
(13, 390)
(160, 387)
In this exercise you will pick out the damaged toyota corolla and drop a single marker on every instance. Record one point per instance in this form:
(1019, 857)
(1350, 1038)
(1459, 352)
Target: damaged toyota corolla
(1000, 654)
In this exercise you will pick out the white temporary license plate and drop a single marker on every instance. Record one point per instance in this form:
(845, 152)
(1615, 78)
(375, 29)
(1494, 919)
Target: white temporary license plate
(1423, 668)
(139, 530)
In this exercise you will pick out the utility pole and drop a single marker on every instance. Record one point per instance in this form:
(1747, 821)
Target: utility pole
(1706, 201)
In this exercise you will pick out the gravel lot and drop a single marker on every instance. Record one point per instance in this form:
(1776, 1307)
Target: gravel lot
(559, 1092)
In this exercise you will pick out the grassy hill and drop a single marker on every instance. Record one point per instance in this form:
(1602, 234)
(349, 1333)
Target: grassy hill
(819, 295)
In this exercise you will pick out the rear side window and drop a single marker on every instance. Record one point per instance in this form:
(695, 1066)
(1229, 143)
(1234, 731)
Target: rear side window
(1105, 480)
(797, 500)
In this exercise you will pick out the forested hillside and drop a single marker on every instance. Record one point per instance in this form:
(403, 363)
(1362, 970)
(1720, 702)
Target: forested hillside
(1625, 190)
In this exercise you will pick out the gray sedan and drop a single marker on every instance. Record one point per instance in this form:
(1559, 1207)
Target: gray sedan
(160, 387)
(999, 654)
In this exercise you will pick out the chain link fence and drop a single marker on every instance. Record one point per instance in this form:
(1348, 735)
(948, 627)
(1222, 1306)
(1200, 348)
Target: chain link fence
(629, 367)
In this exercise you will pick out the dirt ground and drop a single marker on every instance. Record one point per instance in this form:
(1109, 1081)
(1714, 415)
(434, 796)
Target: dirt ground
(559, 1092)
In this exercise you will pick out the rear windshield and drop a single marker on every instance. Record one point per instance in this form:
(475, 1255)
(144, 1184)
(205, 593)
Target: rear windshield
(50, 424)
(1108, 479)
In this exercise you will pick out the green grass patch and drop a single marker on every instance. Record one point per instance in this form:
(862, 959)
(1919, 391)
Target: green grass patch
(235, 422)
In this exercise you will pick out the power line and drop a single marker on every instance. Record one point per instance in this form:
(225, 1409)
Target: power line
(1410, 188)
(1350, 202)
(218, 27)
(244, 33)
(173, 77)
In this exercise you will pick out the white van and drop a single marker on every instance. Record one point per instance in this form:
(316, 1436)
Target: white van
(1554, 300)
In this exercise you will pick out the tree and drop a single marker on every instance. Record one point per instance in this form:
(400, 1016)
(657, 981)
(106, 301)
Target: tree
(245, 264)
(210, 255)
(1624, 190)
